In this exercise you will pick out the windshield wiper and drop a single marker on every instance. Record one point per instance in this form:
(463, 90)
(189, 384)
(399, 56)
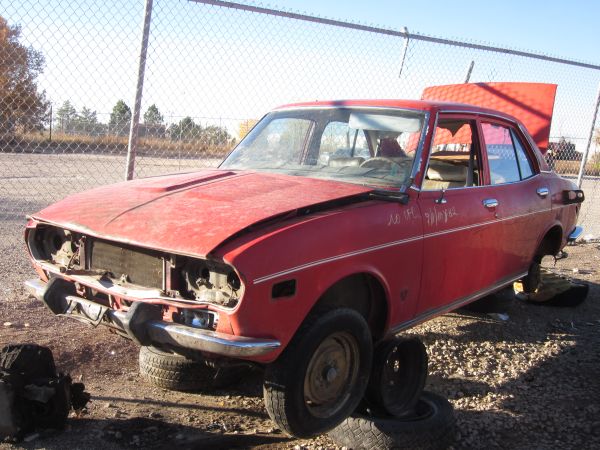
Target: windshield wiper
(389, 196)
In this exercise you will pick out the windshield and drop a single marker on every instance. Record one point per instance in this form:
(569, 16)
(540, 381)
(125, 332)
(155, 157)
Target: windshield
(366, 146)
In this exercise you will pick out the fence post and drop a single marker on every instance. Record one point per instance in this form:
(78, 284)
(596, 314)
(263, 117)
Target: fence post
(135, 119)
(51, 119)
(469, 71)
(589, 143)
(404, 50)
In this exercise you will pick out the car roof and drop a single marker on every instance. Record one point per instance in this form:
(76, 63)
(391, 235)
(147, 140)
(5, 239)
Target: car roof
(423, 105)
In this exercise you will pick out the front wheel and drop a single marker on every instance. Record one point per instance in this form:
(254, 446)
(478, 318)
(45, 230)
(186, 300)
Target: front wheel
(321, 376)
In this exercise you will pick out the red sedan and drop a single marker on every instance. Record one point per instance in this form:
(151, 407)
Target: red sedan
(330, 227)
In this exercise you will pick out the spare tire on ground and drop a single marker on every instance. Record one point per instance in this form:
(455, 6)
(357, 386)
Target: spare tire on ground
(430, 427)
(398, 375)
(173, 371)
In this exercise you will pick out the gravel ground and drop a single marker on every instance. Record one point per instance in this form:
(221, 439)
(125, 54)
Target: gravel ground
(528, 382)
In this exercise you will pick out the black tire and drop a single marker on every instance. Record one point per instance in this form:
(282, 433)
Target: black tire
(533, 279)
(302, 392)
(30, 360)
(397, 377)
(430, 428)
(173, 371)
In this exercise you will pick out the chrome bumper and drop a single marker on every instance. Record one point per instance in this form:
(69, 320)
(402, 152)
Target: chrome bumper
(574, 235)
(138, 325)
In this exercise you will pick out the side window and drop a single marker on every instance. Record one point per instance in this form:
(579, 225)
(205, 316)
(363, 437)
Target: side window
(525, 165)
(341, 141)
(454, 157)
(502, 159)
(507, 158)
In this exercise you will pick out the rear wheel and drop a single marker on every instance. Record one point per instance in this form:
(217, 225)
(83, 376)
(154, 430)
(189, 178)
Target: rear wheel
(321, 376)
(533, 278)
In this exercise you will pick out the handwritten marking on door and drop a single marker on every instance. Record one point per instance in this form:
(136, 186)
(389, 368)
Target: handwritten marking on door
(406, 215)
(439, 216)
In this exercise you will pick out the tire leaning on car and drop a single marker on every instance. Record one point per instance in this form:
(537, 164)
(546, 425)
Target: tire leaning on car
(321, 376)
(431, 427)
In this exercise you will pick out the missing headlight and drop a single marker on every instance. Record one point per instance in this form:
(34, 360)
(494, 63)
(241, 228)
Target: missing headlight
(210, 281)
(54, 244)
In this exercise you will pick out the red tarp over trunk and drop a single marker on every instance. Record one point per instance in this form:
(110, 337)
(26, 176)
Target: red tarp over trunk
(531, 103)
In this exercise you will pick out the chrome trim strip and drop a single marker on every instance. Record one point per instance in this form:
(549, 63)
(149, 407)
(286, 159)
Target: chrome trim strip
(481, 224)
(389, 244)
(374, 107)
(420, 147)
(479, 113)
(483, 185)
(574, 235)
(456, 304)
(333, 258)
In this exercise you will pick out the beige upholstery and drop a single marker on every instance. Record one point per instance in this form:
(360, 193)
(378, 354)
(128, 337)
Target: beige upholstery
(442, 175)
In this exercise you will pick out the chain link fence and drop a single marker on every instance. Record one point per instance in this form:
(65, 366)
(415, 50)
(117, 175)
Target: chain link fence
(69, 75)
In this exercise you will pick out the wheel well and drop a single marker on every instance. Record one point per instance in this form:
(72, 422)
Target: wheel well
(550, 245)
(361, 292)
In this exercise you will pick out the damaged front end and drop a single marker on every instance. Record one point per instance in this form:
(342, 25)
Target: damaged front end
(149, 296)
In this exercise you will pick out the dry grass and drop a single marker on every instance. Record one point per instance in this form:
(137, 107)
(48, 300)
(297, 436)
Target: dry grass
(41, 142)
(110, 144)
(592, 166)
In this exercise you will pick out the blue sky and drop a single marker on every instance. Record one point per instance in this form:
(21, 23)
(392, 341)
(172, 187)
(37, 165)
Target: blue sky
(560, 28)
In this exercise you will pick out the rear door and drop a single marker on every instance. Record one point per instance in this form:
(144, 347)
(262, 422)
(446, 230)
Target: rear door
(522, 195)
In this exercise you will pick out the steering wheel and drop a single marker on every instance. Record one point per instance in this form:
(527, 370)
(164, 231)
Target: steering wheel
(380, 162)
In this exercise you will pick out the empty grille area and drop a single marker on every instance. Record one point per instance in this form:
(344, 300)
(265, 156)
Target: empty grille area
(133, 265)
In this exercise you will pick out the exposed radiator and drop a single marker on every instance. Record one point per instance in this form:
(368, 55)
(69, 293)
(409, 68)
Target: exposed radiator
(139, 267)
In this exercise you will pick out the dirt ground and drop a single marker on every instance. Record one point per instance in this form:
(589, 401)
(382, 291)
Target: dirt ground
(527, 382)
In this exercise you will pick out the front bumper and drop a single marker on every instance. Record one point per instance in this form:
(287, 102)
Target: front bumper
(141, 324)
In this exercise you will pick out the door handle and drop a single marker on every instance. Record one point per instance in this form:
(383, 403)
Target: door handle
(543, 192)
(490, 203)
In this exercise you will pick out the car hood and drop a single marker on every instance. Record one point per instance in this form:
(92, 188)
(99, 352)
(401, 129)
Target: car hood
(190, 213)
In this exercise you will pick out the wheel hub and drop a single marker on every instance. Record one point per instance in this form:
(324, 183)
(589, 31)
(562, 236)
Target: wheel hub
(331, 374)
